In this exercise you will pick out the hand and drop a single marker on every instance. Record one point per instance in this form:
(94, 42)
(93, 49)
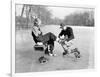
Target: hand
(62, 37)
(57, 39)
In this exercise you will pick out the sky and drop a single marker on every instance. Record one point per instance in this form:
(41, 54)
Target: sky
(18, 10)
(59, 12)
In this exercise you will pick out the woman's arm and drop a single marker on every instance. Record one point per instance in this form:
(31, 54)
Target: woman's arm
(36, 31)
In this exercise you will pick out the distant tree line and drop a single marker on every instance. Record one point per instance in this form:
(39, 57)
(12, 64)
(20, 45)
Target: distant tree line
(79, 19)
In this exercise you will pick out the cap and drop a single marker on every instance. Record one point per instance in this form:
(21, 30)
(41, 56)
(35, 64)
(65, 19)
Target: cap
(62, 25)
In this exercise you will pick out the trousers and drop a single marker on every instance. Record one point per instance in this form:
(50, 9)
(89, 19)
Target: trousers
(47, 38)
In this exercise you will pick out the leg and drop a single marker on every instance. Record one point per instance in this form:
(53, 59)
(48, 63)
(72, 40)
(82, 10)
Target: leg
(65, 50)
(49, 49)
(46, 51)
(48, 37)
(67, 47)
(51, 45)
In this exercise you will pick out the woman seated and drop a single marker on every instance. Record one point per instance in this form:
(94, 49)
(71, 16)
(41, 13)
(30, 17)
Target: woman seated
(47, 39)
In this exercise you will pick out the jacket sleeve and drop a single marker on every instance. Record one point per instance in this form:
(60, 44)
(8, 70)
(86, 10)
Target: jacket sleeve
(60, 34)
(71, 34)
(36, 31)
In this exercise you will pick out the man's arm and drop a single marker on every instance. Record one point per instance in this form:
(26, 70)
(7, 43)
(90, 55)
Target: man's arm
(71, 34)
(71, 37)
(60, 34)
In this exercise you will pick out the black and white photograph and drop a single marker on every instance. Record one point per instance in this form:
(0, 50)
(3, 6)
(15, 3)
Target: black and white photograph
(53, 38)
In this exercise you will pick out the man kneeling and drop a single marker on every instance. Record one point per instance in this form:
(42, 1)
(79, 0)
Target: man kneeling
(66, 39)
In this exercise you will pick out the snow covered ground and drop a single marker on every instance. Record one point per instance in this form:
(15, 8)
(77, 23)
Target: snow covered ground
(27, 58)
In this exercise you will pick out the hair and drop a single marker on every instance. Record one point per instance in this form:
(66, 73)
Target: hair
(62, 24)
(35, 22)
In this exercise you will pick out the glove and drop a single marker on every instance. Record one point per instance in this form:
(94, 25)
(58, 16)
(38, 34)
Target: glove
(57, 39)
(62, 37)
